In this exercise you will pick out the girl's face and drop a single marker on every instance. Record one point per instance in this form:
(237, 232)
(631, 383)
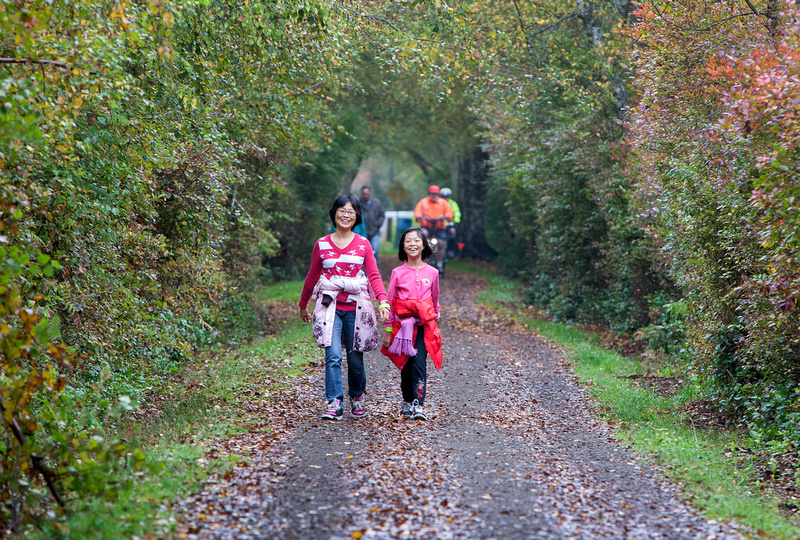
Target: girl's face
(345, 217)
(412, 245)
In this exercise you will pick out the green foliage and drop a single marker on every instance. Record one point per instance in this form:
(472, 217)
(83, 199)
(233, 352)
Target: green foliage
(415, 85)
(576, 241)
(562, 210)
(138, 145)
(717, 164)
(158, 160)
(666, 331)
(310, 188)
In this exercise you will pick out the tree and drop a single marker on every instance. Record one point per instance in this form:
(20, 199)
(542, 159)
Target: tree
(552, 104)
(715, 141)
(137, 150)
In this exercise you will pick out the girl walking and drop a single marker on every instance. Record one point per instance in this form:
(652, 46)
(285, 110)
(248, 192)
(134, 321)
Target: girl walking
(411, 330)
(342, 272)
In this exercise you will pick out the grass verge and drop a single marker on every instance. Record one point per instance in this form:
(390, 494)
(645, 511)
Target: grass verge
(200, 405)
(653, 424)
(387, 248)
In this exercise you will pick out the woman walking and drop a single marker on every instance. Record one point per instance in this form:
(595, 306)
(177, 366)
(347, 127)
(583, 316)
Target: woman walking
(342, 271)
(411, 330)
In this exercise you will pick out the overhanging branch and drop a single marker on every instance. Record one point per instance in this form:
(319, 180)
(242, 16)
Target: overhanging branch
(752, 7)
(31, 61)
(37, 462)
(555, 23)
(425, 40)
(423, 163)
(711, 26)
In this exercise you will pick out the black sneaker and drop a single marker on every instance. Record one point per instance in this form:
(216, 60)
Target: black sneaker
(334, 411)
(406, 409)
(417, 411)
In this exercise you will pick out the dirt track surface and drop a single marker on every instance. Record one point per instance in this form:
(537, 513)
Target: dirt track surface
(511, 449)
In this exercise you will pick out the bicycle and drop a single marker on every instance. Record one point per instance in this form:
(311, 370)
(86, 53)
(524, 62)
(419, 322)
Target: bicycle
(436, 244)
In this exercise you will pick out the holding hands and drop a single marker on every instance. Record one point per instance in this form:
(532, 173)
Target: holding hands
(383, 307)
(387, 336)
(383, 312)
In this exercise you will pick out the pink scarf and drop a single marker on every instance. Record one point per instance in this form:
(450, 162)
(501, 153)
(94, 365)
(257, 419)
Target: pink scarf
(403, 343)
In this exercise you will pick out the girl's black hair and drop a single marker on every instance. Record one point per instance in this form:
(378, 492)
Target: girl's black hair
(342, 200)
(426, 247)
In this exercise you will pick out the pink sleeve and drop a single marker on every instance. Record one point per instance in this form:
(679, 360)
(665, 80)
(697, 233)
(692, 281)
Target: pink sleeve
(312, 277)
(392, 293)
(435, 292)
(371, 269)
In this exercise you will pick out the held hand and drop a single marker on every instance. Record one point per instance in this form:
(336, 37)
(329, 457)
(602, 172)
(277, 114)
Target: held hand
(383, 309)
(387, 339)
(304, 315)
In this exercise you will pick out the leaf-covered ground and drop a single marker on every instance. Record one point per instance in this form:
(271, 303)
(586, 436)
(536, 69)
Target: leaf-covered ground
(511, 449)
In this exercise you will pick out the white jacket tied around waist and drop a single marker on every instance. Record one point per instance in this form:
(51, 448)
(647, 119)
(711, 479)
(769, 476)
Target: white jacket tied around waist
(366, 330)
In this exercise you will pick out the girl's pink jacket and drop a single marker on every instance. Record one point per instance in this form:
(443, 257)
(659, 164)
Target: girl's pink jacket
(425, 311)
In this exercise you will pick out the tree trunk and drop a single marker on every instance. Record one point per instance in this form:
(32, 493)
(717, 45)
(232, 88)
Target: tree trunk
(594, 31)
(472, 174)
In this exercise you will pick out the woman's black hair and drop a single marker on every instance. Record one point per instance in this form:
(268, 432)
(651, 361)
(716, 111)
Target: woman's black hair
(426, 247)
(342, 200)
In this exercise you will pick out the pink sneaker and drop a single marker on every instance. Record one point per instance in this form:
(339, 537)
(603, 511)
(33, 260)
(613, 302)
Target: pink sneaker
(357, 406)
(334, 411)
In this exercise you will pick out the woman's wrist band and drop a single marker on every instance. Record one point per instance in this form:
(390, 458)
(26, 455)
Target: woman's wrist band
(389, 328)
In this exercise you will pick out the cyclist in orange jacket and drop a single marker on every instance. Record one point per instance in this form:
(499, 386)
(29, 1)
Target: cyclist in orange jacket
(433, 213)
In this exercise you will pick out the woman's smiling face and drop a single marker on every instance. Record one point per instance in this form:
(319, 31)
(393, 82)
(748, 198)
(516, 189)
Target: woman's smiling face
(412, 244)
(345, 217)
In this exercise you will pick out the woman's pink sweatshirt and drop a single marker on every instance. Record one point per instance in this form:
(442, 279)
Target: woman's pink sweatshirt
(329, 260)
(409, 283)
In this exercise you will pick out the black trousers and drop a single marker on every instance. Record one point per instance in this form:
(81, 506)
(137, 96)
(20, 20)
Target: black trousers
(413, 376)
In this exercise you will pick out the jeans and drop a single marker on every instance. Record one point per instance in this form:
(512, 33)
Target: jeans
(414, 373)
(375, 242)
(344, 323)
(441, 234)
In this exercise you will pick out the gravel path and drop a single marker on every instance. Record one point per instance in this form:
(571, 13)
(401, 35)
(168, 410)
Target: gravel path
(511, 450)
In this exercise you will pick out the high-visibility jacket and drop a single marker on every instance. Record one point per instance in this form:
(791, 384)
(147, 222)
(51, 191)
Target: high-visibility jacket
(427, 210)
(456, 211)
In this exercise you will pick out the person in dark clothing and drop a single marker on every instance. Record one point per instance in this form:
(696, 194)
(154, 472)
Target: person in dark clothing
(373, 213)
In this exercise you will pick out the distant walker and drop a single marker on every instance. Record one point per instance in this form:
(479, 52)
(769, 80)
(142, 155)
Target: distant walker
(373, 213)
